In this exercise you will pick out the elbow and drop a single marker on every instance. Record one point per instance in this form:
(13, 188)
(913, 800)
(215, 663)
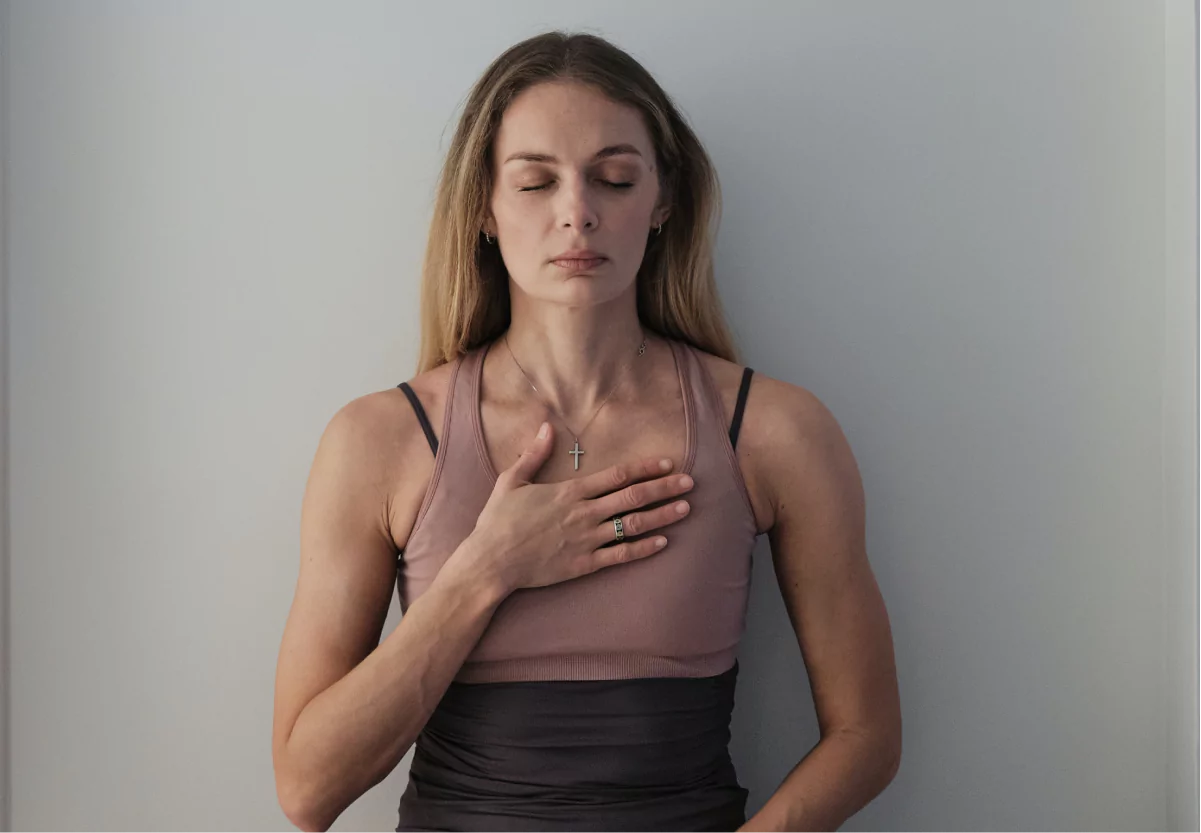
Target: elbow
(880, 753)
(886, 741)
(894, 765)
(293, 808)
(891, 752)
(304, 817)
(298, 806)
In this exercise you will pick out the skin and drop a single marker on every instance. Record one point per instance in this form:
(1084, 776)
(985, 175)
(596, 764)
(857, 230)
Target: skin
(575, 335)
(573, 332)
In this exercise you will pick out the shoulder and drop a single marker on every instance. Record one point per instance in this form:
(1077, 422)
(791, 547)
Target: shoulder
(788, 440)
(432, 389)
(380, 432)
(388, 419)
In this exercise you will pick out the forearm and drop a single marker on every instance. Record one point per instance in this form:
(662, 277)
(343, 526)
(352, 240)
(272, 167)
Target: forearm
(838, 777)
(352, 735)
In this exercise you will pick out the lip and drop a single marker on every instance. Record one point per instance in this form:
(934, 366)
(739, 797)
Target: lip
(578, 264)
(578, 260)
(577, 254)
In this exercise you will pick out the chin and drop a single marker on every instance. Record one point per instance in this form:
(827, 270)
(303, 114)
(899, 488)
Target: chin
(581, 289)
(589, 289)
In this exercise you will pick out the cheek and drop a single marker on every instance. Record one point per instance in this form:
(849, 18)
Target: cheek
(522, 226)
(630, 227)
(522, 219)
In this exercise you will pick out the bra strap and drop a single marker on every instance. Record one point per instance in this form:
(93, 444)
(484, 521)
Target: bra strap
(421, 417)
(737, 421)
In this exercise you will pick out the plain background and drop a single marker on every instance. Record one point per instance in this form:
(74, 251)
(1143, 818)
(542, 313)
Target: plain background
(968, 227)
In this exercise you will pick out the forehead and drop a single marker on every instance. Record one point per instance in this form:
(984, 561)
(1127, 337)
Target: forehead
(569, 120)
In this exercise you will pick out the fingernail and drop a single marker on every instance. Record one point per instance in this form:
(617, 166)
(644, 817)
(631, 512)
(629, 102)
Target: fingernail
(660, 541)
(682, 507)
(686, 481)
(664, 464)
(542, 431)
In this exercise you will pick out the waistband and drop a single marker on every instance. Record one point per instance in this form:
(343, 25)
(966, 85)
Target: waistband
(634, 754)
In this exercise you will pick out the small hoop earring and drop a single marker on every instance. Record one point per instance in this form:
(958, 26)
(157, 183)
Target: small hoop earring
(660, 231)
(486, 237)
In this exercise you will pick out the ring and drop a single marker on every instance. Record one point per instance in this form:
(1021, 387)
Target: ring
(617, 528)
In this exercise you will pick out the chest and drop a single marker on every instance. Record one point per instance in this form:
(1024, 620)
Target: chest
(621, 432)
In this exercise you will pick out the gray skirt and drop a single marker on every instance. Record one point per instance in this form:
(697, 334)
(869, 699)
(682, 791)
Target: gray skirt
(641, 754)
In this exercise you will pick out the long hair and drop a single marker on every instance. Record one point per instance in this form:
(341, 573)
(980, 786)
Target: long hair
(464, 283)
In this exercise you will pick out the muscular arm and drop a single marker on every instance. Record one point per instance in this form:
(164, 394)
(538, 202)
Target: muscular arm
(347, 706)
(817, 540)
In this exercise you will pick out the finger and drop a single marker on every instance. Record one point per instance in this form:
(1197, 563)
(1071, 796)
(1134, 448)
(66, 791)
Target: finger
(638, 495)
(621, 474)
(532, 458)
(638, 523)
(628, 551)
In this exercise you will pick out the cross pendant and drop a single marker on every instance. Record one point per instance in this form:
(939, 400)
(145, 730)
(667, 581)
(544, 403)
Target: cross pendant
(576, 451)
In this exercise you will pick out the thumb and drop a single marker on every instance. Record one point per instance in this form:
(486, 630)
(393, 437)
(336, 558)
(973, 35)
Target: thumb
(535, 454)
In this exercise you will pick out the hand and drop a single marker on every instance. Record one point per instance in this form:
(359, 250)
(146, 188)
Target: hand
(536, 534)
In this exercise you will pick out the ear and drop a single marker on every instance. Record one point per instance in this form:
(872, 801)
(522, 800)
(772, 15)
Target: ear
(662, 208)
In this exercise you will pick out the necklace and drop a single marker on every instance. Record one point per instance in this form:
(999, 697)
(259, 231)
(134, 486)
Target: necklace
(576, 451)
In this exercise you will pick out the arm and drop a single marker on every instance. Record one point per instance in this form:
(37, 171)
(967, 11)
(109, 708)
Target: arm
(347, 706)
(818, 549)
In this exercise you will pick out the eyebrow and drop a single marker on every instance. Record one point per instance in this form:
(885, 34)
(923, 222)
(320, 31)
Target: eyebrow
(603, 153)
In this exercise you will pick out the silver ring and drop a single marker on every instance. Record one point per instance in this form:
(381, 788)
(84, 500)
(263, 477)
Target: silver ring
(617, 528)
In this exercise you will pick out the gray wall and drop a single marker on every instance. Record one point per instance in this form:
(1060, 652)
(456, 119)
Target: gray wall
(1180, 429)
(966, 226)
(5, 584)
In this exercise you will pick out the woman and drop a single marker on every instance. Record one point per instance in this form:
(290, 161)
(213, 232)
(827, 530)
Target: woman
(567, 654)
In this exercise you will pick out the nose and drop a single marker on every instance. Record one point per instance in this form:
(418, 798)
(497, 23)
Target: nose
(576, 209)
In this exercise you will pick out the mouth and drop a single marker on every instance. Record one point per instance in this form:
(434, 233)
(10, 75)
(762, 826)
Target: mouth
(579, 264)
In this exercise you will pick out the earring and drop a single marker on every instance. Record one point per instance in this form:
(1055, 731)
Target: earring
(486, 237)
(660, 231)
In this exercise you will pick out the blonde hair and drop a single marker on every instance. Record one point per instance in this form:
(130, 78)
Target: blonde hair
(464, 283)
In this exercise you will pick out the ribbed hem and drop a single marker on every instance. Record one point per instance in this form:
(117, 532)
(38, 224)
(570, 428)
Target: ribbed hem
(615, 666)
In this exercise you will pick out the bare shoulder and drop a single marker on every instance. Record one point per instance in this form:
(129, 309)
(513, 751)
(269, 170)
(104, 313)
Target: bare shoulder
(406, 462)
(781, 423)
(415, 461)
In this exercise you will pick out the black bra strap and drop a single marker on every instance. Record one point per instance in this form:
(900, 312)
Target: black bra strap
(421, 417)
(742, 389)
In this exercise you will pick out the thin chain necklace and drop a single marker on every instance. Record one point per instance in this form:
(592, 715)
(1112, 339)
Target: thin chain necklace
(576, 451)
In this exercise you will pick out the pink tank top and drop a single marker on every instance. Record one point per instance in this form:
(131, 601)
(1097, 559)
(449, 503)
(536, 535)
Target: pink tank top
(680, 612)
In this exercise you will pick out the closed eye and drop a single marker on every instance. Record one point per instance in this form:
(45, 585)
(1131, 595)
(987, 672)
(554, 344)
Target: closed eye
(605, 181)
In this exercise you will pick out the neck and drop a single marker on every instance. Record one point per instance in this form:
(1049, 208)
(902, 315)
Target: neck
(576, 356)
